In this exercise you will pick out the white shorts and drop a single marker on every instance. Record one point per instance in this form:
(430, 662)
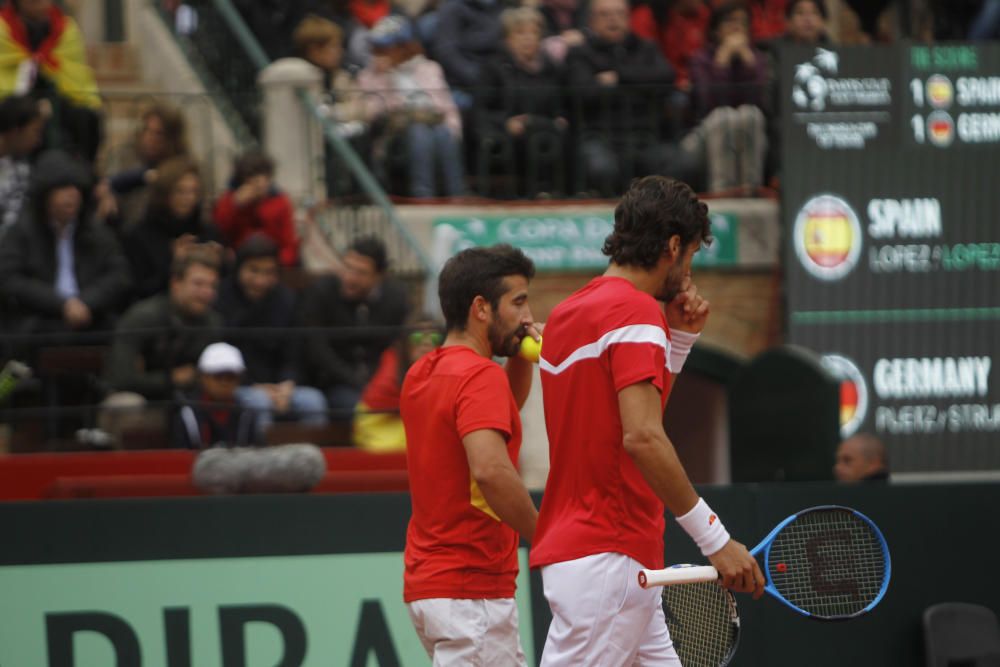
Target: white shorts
(601, 617)
(474, 633)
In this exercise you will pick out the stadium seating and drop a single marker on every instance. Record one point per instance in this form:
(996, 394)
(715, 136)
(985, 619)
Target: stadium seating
(961, 635)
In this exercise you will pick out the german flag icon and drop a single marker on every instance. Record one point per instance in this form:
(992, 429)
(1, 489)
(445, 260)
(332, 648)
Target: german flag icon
(940, 128)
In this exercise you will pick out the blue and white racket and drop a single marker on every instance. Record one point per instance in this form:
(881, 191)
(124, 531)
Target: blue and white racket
(829, 563)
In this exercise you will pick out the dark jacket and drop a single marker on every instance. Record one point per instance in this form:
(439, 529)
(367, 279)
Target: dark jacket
(644, 76)
(731, 85)
(197, 424)
(269, 358)
(28, 260)
(468, 34)
(510, 90)
(153, 338)
(338, 357)
(149, 246)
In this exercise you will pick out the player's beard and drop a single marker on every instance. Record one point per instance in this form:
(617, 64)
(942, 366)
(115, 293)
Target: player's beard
(672, 283)
(505, 344)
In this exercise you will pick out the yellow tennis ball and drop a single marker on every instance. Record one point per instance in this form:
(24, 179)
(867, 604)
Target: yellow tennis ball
(530, 349)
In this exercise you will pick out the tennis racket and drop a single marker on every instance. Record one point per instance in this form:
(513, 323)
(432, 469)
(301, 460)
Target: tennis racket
(827, 563)
(703, 621)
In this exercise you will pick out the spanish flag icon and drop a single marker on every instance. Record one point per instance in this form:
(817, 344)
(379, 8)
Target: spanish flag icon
(940, 91)
(828, 238)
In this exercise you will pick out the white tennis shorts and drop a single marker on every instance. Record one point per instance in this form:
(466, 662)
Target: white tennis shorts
(473, 633)
(601, 617)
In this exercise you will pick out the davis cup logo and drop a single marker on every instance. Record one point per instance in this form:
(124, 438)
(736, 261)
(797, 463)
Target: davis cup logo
(827, 237)
(853, 392)
(940, 92)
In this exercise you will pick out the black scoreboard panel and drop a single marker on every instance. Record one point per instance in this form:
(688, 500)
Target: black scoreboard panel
(891, 210)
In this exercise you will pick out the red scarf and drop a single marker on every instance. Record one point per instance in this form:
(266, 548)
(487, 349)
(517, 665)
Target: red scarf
(19, 33)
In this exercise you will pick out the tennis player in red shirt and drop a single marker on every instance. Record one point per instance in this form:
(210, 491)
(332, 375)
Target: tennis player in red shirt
(463, 433)
(609, 356)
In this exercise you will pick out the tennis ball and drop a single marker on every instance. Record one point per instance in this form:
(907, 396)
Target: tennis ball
(530, 349)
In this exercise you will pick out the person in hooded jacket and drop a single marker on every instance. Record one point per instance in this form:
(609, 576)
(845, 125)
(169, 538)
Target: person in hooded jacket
(59, 270)
(173, 225)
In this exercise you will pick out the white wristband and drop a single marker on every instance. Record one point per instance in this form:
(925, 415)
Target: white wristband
(705, 528)
(681, 343)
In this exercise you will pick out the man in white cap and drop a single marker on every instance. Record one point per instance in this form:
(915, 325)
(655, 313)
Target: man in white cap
(211, 415)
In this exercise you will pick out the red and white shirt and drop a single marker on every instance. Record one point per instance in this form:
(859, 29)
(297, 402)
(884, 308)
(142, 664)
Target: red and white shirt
(603, 338)
(456, 546)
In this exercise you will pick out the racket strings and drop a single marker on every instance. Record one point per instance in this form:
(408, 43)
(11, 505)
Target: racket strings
(829, 563)
(703, 622)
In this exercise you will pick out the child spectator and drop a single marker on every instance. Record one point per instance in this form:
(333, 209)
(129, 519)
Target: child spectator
(320, 42)
(254, 205)
(377, 424)
(211, 415)
(406, 94)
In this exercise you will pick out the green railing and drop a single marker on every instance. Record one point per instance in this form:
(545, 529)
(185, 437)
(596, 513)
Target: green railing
(369, 185)
(239, 111)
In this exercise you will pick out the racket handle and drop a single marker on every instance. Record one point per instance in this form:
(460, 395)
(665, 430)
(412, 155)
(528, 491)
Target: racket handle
(678, 574)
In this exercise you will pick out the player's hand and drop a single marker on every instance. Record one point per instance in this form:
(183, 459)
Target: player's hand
(516, 125)
(738, 569)
(535, 330)
(689, 310)
(183, 376)
(607, 78)
(76, 313)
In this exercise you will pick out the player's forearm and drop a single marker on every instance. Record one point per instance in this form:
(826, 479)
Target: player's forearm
(519, 375)
(657, 460)
(506, 495)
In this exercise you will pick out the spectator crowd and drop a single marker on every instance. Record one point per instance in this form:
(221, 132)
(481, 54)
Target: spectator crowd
(566, 96)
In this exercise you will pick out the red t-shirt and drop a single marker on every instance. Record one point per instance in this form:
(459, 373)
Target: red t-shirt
(603, 338)
(456, 546)
(679, 38)
(382, 391)
(272, 216)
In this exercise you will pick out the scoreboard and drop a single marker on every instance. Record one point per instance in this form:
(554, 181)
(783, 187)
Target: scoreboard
(891, 212)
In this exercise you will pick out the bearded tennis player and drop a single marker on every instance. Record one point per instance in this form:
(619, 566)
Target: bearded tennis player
(610, 354)
(460, 410)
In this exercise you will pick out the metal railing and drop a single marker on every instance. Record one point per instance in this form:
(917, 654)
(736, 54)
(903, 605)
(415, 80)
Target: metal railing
(57, 403)
(209, 48)
(382, 218)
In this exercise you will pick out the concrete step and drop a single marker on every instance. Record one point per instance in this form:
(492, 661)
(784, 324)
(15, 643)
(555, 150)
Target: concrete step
(115, 64)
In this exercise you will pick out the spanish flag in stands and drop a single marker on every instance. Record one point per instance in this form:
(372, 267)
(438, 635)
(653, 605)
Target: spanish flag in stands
(60, 57)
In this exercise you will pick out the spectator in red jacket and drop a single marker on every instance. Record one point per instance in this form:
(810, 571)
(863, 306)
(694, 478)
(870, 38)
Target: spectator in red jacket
(255, 205)
(678, 27)
(767, 19)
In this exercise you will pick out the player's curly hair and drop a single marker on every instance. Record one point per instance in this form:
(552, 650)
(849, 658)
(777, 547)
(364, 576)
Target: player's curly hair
(478, 272)
(654, 209)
